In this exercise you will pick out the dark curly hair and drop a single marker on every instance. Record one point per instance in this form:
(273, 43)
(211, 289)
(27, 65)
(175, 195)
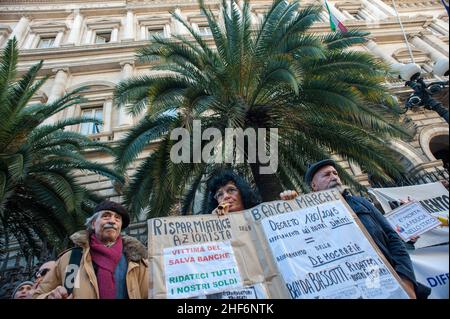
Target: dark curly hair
(250, 197)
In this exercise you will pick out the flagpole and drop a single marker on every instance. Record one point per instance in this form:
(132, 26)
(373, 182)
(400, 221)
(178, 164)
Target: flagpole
(404, 33)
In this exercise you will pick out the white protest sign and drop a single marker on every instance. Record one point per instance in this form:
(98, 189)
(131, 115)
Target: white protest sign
(195, 270)
(431, 266)
(321, 252)
(411, 220)
(434, 198)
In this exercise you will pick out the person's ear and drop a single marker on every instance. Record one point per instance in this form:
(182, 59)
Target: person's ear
(313, 186)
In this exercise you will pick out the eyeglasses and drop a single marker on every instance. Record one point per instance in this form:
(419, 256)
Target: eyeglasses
(229, 190)
(42, 272)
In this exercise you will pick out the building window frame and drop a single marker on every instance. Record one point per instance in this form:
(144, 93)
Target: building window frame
(95, 27)
(150, 24)
(39, 31)
(100, 35)
(46, 42)
(96, 112)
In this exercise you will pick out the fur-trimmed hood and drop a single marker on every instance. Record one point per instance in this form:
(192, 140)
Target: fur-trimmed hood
(134, 250)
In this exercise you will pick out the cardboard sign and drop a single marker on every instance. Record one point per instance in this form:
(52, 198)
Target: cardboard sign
(187, 252)
(411, 220)
(310, 247)
(321, 249)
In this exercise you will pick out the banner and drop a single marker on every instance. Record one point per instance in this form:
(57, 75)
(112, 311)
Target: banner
(310, 247)
(321, 250)
(411, 220)
(432, 269)
(433, 197)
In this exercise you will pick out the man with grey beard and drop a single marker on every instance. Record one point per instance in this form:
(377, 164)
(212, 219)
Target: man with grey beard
(322, 176)
(103, 265)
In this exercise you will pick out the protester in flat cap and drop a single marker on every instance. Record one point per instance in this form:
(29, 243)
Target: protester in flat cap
(24, 290)
(103, 265)
(322, 176)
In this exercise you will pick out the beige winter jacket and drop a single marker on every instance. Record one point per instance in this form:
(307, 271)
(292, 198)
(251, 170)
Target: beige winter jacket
(136, 277)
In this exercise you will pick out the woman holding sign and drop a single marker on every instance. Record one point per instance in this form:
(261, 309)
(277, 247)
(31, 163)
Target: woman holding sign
(227, 193)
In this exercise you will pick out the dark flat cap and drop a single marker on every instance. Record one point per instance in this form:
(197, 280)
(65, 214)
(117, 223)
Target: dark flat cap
(313, 168)
(115, 207)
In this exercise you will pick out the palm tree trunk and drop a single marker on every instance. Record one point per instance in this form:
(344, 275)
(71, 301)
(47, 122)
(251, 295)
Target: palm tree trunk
(269, 185)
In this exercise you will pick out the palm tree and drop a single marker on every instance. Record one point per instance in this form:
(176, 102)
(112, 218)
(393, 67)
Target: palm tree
(40, 198)
(323, 98)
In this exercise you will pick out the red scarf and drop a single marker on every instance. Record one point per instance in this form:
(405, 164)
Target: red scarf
(106, 259)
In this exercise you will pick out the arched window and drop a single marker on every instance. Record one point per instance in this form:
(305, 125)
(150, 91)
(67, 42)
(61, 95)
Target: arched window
(440, 149)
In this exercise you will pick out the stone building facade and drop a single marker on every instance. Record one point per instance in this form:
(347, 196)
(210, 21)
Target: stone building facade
(94, 43)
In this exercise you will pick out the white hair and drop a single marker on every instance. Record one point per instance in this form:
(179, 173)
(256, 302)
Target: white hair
(90, 220)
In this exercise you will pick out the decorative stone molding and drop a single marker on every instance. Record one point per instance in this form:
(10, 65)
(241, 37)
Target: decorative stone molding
(408, 152)
(94, 26)
(48, 27)
(103, 23)
(402, 55)
(428, 166)
(39, 30)
(160, 23)
(5, 31)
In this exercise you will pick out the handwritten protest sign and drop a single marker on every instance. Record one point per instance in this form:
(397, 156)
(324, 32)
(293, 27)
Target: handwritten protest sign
(207, 268)
(310, 247)
(411, 220)
(186, 251)
(322, 250)
(432, 196)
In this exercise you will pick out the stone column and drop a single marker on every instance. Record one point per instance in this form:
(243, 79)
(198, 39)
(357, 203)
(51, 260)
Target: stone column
(365, 14)
(57, 91)
(107, 117)
(437, 43)
(28, 43)
(58, 39)
(376, 50)
(346, 13)
(374, 10)
(143, 33)
(439, 28)
(5, 31)
(115, 35)
(74, 34)
(166, 31)
(127, 72)
(177, 26)
(384, 7)
(422, 45)
(20, 30)
(195, 27)
(442, 24)
(129, 26)
(88, 39)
